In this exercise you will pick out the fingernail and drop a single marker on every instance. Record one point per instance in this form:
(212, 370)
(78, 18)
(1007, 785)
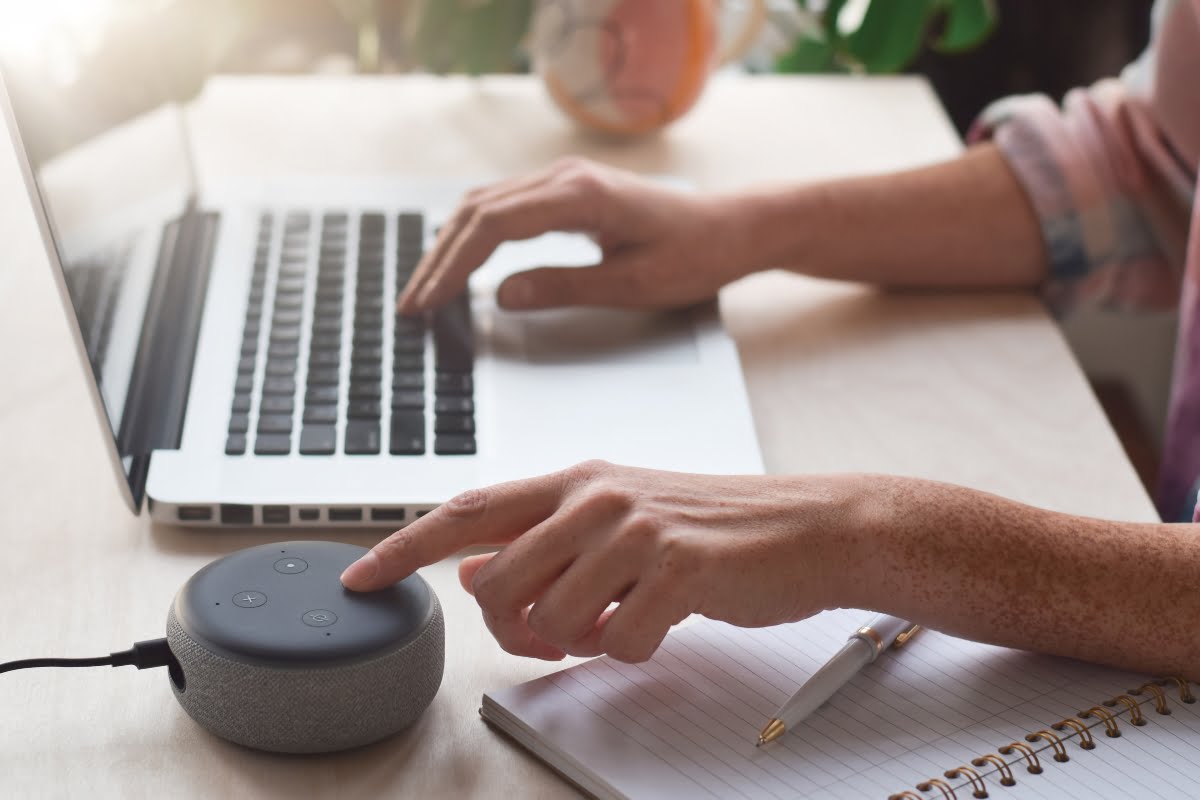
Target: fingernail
(362, 571)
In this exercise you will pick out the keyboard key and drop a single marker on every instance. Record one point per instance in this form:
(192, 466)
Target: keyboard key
(453, 423)
(326, 341)
(408, 380)
(408, 361)
(318, 440)
(408, 399)
(327, 325)
(241, 403)
(362, 437)
(289, 301)
(275, 423)
(366, 355)
(246, 364)
(324, 358)
(323, 376)
(283, 350)
(368, 338)
(239, 423)
(272, 444)
(250, 346)
(408, 434)
(366, 372)
(365, 391)
(244, 383)
(287, 317)
(453, 338)
(410, 325)
(280, 368)
(453, 405)
(277, 404)
(321, 395)
(285, 333)
(363, 409)
(453, 383)
(409, 344)
(279, 386)
(320, 414)
(235, 445)
(454, 444)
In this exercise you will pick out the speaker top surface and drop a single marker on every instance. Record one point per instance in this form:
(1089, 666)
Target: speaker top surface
(284, 604)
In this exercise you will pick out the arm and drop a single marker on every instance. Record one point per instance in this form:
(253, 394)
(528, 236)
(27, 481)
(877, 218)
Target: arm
(761, 550)
(983, 567)
(963, 223)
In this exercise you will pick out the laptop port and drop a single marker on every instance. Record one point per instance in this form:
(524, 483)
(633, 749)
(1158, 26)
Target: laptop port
(194, 513)
(309, 514)
(387, 514)
(345, 515)
(236, 514)
(277, 515)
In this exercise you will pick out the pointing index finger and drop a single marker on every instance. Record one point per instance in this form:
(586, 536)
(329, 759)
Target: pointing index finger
(494, 515)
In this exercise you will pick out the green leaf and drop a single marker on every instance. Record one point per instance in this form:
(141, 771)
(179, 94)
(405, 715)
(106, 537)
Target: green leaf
(808, 55)
(891, 33)
(968, 22)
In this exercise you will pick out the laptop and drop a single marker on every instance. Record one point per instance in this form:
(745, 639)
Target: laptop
(243, 350)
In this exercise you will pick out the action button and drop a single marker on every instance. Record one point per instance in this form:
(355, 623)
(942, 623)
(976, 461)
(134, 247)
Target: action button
(249, 599)
(290, 566)
(319, 618)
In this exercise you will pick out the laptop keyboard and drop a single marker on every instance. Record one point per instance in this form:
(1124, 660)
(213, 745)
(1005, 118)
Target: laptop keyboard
(330, 383)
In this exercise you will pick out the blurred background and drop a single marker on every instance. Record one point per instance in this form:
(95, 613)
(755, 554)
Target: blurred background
(972, 51)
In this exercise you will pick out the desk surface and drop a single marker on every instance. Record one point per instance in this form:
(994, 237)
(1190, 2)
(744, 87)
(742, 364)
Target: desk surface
(978, 389)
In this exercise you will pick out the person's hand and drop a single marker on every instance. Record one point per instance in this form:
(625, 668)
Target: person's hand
(750, 550)
(661, 248)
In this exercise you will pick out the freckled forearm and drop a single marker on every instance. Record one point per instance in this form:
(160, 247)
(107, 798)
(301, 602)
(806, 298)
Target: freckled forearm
(982, 567)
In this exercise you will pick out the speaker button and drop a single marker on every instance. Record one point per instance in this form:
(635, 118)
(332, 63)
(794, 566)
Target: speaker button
(319, 618)
(291, 566)
(249, 599)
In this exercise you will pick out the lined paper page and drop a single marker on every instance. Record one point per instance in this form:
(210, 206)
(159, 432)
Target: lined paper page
(684, 723)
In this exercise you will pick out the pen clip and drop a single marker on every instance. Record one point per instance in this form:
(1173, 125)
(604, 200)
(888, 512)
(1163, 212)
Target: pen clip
(904, 636)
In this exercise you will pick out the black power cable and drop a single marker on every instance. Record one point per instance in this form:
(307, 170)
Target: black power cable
(143, 655)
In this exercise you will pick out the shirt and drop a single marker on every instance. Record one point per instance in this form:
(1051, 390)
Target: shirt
(1111, 174)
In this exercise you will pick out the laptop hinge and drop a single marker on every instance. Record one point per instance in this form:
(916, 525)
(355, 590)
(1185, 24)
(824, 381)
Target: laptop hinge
(162, 369)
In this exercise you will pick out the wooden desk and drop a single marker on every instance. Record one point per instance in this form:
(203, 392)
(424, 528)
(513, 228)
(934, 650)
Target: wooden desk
(977, 389)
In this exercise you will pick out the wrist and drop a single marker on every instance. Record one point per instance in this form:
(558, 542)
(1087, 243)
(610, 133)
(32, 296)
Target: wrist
(767, 228)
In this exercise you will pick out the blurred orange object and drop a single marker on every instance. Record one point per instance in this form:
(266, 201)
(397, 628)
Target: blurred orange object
(632, 66)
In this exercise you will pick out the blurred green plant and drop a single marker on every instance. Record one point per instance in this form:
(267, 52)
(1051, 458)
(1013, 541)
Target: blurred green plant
(471, 36)
(890, 34)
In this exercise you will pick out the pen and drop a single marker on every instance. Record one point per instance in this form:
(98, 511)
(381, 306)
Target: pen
(863, 647)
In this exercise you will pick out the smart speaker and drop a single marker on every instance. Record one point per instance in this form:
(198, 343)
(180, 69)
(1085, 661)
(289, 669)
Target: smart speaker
(274, 653)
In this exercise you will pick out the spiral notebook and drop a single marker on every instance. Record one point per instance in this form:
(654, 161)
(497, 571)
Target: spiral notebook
(942, 718)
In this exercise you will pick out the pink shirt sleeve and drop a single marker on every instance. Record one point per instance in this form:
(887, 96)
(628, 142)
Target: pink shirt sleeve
(1111, 173)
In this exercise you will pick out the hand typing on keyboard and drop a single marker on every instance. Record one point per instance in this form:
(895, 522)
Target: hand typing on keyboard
(661, 248)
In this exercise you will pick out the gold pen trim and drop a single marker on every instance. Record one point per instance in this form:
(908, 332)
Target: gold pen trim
(774, 729)
(904, 636)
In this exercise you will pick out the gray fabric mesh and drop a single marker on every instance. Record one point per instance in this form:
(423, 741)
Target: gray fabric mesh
(310, 710)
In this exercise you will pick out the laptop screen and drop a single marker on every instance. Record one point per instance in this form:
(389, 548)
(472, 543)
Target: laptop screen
(101, 130)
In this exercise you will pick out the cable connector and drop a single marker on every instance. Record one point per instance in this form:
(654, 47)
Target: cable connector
(145, 655)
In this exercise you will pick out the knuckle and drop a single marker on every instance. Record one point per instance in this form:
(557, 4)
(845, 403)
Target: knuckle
(468, 505)
(547, 627)
(606, 498)
(486, 589)
(676, 557)
(587, 470)
(588, 181)
(394, 547)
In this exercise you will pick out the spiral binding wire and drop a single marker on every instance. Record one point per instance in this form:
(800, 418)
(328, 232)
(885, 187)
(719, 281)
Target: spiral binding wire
(1071, 727)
